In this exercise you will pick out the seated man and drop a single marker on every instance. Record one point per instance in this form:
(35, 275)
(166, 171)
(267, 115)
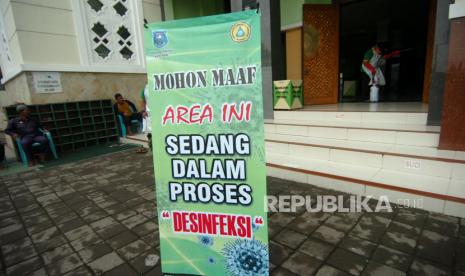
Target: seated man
(27, 130)
(128, 110)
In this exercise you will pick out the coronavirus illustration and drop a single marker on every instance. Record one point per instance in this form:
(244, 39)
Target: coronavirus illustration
(246, 258)
(206, 240)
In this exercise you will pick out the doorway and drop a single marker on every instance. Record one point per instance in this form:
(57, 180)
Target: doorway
(396, 25)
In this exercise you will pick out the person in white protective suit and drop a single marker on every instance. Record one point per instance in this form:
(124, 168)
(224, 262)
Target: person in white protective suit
(371, 68)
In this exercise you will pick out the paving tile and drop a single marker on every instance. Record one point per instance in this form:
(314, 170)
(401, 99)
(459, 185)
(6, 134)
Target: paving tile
(123, 269)
(424, 268)
(85, 241)
(370, 227)
(156, 271)
(315, 248)
(70, 225)
(152, 239)
(133, 203)
(375, 269)
(278, 252)
(290, 238)
(45, 235)
(410, 217)
(460, 256)
(64, 265)
(327, 270)
(34, 229)
(26, 267)
(29, 208)
(282, 272)
(392, 258)
(105, 263)
(145, 228)
(133, 249)
(18, 251)
(328, 234)
(301, 264)
(94, 216)
(122, 239)
(281, 219)
(65, 218)
(85, 208)
(92, 252)
(347, 261)
(111, 231)
(358, 246)
(445, 225)
(40, 272)
(139, 264)
(34, 220)
(50, 244)
(103, 223)
(115, 209)
(80, 271)
(396, 226)
(342, 221)
(436, 247)
(11, 233)
(56, 254)
(124, 215)
(399, 241)
(273, 230)
(133, 221)
(48, 199)
(79, 232)
(303, 224)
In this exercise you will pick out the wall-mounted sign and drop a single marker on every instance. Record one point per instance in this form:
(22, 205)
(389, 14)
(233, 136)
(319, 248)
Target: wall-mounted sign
(47, 82)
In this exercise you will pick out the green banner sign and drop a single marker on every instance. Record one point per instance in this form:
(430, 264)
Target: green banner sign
(205, 97)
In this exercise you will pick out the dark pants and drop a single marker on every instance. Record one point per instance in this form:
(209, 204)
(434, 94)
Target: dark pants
(2, 152)
(365, 88)
(28, 141)
(134, 116)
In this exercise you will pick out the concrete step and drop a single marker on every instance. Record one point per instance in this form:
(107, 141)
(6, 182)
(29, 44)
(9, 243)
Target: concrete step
(409, 118)
(137, 139)
(359, 125)
(409, 136)
(432, 193)
(370, 147)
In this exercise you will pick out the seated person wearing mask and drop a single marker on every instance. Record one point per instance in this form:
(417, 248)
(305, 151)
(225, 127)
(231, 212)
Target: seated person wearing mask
(27, 129)
(128, 110)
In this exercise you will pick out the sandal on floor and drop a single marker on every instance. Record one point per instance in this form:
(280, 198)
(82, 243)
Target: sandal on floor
(142, 150)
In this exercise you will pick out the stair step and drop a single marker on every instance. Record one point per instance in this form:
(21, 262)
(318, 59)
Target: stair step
(371, 147)
(384, 159)
(419, 118)
(387, 136)
(359, 125)
(138, 139)
(440, 194)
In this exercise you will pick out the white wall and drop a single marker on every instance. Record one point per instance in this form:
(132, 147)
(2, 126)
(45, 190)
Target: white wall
(152, 10)
(43, 36)
(457, 9)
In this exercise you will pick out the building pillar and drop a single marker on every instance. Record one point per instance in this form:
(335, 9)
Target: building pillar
(271, 46)
(453, 111)
(439, 64)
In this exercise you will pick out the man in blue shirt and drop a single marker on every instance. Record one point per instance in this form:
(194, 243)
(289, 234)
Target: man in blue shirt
(27, 129)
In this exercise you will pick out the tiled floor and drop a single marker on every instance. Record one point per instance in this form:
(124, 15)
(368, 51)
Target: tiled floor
(98, 217)
(371, 107)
